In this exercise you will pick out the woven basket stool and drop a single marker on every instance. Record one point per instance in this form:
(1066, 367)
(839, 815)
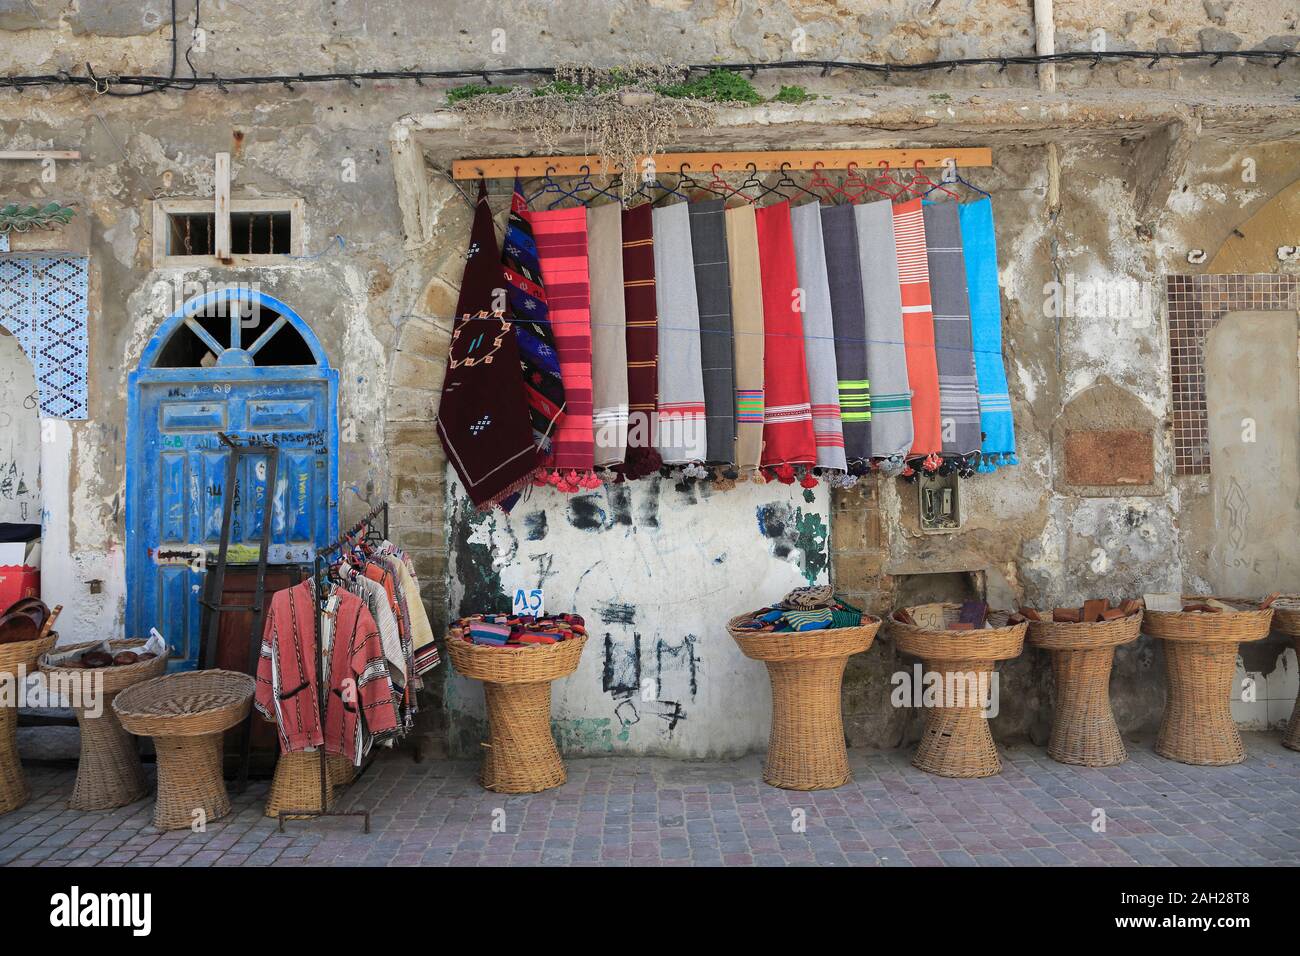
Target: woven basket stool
(1200, 661)
(956, 741)
(186, 714)
(1083, 725)
(296, 784)
(109, 773)
(805, 747)
(521, 753)
(20, 656)
(1286, 620)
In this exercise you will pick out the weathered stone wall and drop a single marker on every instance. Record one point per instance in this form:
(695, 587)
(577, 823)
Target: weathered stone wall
(381, 303)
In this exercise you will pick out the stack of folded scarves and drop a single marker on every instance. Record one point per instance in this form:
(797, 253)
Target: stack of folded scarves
(805, 609)
(506, 630)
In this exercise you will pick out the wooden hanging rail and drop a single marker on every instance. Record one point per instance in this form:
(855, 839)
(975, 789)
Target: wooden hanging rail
(528, 166)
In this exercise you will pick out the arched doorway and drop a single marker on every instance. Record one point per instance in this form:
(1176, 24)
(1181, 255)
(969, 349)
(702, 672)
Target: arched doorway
(20, 435)
(239, 362)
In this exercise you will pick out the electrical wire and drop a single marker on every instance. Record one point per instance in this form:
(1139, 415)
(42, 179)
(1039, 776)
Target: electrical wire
(105, 84)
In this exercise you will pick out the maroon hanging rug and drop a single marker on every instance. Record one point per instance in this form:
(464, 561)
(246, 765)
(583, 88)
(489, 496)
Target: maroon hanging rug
(483, 418)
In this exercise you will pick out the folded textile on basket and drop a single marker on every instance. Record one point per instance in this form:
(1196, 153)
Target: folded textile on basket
(784, 618)
(820, 595)
(501, 630)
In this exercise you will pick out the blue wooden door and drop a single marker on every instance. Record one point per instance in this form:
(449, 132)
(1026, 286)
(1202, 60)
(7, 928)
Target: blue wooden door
(198, 377)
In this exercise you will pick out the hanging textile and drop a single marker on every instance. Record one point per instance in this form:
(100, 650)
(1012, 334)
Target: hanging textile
(608, 333)
(562, 253)
(483, 417)
(979, 248)
(819, 335)
(424, 651)
(533, 328)
(642, 341)
(958, 391)
(748, 342)
(918, 326)
(359, 704)
(377, 602)
(891, 398)
(844, 275)
(713, 292)
(379, 574)
(682, 437)
(787, 414)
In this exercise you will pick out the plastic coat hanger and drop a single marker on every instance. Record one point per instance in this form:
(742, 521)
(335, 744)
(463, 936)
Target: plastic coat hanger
(957, 178)
(586, 183)
(548, 186)
(785, 180)
(753, 182)
(818, 180)
(883, 178)
(686, 181)
(853, 178)
(579, 186)
(718, 183)
(921, 181)
(667, 191)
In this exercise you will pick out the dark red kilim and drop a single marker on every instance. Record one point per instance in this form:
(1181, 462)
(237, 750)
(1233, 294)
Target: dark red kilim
(642, 326)
(483, 416)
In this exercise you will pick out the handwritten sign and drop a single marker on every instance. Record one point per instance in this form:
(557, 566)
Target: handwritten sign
(529, 601)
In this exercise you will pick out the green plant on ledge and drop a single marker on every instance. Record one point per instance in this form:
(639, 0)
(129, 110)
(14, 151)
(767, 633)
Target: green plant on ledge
(793, 94)
(16, 218)
(716, 86)
(471, 90)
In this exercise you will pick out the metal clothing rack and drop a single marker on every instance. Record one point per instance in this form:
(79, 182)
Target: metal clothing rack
(214, 580)
(320, 573)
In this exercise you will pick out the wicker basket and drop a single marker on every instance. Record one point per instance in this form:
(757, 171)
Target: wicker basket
(1286, 620)
(109, 773)
(1200, 662)
(20, 655)
(25, 653)
(805, 747)
(955, 741)
(524, 664)
(1250, 623)
(296, 785)
(186, 713)
(1083, 726)
(1001, 642)
(521, 753)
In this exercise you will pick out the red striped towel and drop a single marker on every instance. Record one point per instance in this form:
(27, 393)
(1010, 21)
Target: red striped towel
(918, 326)
(787, 417)
(562, 252)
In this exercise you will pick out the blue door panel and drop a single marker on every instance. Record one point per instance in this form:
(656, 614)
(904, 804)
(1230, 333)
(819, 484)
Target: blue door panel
(191, 416)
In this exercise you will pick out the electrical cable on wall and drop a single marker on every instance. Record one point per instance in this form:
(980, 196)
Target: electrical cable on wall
(105, 83)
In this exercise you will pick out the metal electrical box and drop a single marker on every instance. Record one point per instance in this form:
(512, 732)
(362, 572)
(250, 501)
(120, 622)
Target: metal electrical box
(940, 503)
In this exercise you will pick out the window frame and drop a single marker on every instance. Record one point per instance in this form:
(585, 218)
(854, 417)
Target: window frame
(163, 209)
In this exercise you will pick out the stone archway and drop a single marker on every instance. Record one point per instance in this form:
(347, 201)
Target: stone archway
(20, 435)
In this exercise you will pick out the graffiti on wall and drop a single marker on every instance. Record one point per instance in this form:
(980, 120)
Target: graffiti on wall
(656, 567)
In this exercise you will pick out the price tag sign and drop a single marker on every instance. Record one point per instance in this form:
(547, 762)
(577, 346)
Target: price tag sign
(529, 601)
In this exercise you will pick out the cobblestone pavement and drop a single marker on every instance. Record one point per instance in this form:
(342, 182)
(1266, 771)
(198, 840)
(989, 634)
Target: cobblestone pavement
(658, 812)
